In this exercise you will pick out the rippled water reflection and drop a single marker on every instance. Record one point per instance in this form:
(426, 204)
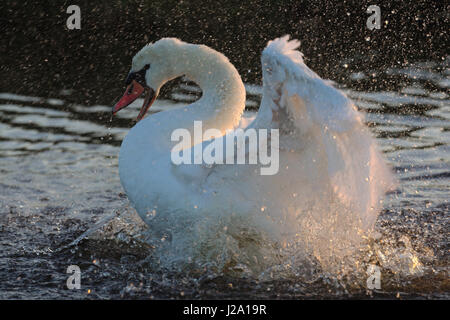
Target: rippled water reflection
(59, 179)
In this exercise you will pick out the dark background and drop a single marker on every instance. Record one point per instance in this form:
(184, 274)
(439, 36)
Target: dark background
(40, 56)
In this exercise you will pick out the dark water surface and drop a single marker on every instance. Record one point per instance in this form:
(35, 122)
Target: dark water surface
(61, 202)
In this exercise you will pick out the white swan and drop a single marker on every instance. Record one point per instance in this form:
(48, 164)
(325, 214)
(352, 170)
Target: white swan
(327, 156)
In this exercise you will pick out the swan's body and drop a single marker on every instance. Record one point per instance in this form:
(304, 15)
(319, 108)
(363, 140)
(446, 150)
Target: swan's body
(327, 155)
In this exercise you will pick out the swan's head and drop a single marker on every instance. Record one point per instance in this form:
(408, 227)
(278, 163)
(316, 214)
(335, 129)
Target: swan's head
(151, 67)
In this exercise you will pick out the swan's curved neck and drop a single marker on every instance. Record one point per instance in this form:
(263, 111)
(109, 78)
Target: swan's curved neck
(223, 97)
(220, 107)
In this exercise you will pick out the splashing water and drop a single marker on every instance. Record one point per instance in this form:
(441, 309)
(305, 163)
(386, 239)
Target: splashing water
(66, 154)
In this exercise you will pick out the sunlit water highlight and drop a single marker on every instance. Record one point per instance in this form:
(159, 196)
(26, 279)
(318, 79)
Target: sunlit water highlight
(61, 203)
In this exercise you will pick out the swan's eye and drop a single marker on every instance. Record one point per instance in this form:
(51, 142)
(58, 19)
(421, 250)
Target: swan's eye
(139, 76)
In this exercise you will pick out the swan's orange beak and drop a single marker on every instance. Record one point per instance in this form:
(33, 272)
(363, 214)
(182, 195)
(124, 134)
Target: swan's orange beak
(134, 91)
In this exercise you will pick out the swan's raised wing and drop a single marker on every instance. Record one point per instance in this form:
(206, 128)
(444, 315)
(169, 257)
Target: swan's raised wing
(294, 95)
(301, 104)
